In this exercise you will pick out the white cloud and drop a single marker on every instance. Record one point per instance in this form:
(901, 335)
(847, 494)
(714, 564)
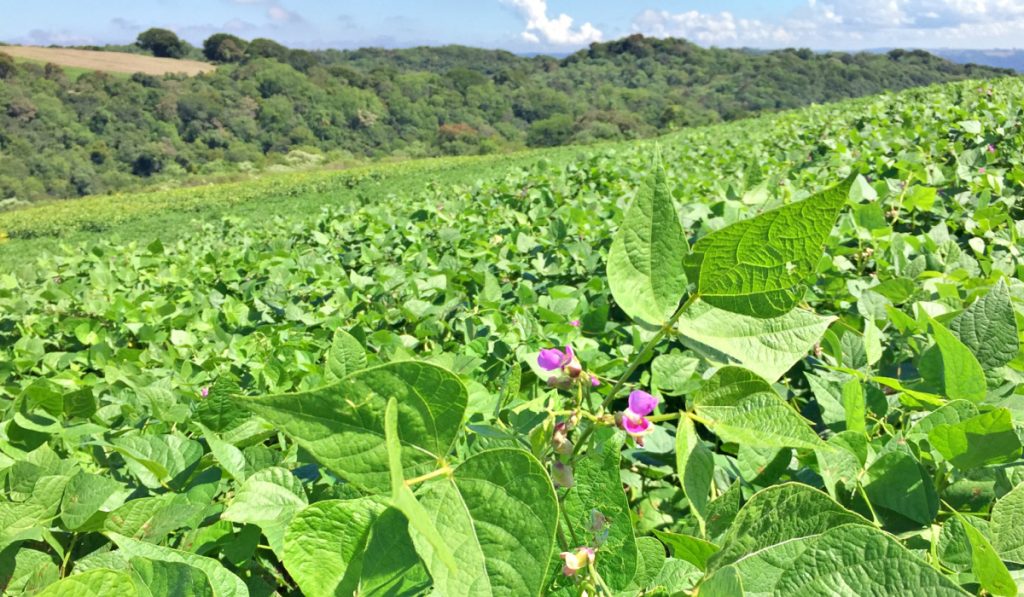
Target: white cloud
(556, 31)
(722, 29)
(845, 24)
(280, 14)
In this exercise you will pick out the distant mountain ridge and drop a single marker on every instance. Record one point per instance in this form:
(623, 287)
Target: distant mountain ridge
(267, 105)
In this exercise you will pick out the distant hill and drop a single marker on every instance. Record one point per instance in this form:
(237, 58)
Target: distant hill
(1013, 59)
(267, 105)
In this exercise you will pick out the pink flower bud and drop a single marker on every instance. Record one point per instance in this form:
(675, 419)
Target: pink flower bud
(576, 560)
(204, 391)
(561, 476)
(560, 440)
(575, 323)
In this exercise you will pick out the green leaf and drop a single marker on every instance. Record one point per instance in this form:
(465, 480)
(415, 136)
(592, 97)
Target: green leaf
(345, 356)
(84, 496)
(862, 560)
(94, 583)
(645, 262)
(962, 375)
(324, 545)
(854, 405)
(159, 460)
(269, 499)
(774, 519)
(988, 438)
(685, 547)
(768, 347)
(741, 407)
(989, 329)
(224, 583)
(172, 578)
(498, 514)
(342, 425)
(391, 565)
(755, 267)
(598, 488)
(844, 462)
(723, 583)
(897, 481)
(230, 458)
(695, 467)
(1008, 525)
(652, 559)
(988, 568)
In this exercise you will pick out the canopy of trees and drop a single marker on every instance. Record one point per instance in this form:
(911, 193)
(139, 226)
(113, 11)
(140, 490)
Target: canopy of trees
(162, 43)
(65, 137)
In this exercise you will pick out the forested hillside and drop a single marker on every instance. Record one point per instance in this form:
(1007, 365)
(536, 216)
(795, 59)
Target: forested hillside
(65, 136)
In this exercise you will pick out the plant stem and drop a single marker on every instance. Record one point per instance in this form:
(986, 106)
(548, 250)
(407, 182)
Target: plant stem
(444, 470)
(67, 555)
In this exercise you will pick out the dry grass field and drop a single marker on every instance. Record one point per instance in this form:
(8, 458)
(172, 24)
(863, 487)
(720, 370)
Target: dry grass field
(114, 62)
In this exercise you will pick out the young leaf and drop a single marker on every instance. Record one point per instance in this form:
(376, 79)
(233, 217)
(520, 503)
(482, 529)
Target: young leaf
(224, 583)
(346, 356)
(498, 513)
(725, 582)
(768, 347)
(693, 550)
(755, 267)
(988, 438)
(269, 499)
(989, 329)
(741, 407)
(342, 425)
(645, 262)
(695, 467)
(854, 405)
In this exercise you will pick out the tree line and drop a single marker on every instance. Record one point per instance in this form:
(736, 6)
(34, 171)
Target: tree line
(63, 135)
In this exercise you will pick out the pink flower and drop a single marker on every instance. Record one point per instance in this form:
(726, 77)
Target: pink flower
(204, 391)
(575, 323)
(981, 170)
(991, 148)
(634, 418)
(551, 359)
(594, 381)
(576, 560)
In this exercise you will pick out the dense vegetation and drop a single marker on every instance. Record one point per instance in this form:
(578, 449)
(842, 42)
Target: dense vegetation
(66, 136)
(360, 397)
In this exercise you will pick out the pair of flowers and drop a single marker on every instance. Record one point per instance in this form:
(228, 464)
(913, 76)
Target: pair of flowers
(641, 404)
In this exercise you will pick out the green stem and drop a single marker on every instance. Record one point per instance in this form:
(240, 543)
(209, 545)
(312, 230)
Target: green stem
(864, 495)
(633, 366)
(67, 555)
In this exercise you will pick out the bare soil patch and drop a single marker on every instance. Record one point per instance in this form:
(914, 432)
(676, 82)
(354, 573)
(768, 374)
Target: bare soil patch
(115, 62)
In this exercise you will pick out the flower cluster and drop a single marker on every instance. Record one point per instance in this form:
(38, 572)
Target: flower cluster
(553, 359)
(634, 418)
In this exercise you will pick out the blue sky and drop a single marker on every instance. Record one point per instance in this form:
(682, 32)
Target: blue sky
(530, 25)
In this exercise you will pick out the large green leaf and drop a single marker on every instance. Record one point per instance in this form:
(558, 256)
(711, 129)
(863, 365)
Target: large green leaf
(391, 565)
(342, 425)
(324, 545)
(598, 488)
(756, 267)
(741, 407)
(94, 583)
(990, 571)
(84, 495)
(224, 583)
(268, 499)
(766, 346)
(897, 481)
(1008, 525)
(988, 438)
(962, 375)
(695, 467)
(989, 329)
(686, 547)
(164, 578)
(773, 520)
(645, 262)
(860, 560)
(498, 515)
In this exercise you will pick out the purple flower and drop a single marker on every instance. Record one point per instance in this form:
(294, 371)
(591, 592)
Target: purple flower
(634, 418)
(204, 391)
(991, 148)
(551, 359)
(594, 381)
(575, 323)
